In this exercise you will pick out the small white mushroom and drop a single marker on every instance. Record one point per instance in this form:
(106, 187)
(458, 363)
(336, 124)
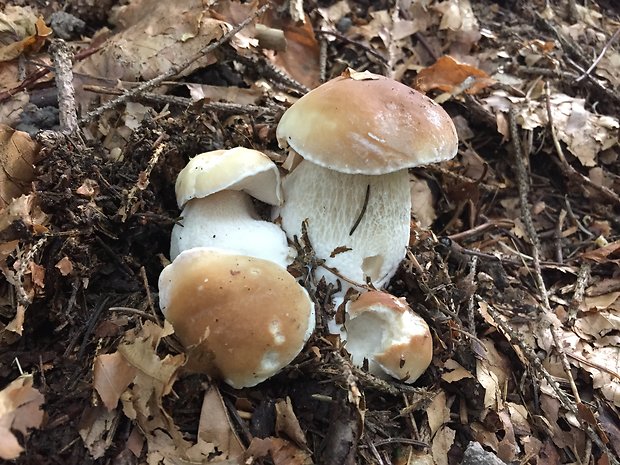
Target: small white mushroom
(385, 331)
(358, 134)
(240, 319)
(215, 190)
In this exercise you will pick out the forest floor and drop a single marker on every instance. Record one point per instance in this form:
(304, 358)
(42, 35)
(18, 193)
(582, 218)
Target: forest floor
(513, 260)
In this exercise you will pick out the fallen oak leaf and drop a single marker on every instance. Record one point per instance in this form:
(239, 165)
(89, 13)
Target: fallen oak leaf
(282, 452)
(448, 75)
(32, 43)
(112, 374)
(20, 409)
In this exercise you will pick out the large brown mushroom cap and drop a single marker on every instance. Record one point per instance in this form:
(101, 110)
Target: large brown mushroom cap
(240, 318)
(363, 123)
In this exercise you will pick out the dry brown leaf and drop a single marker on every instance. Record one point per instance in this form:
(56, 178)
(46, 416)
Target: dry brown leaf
(454, 371)
(441, 444)
(438, 412)
(18, 153)
(20, 410)
(281, 451)
(604, 254)
(64, 266)
(586, 134)
(32, 43)
(215, 430)
(447, 75)
(422, 202)
(169, 35)
(111, 376)
(97, 427)
(607, 379)
(287, 423)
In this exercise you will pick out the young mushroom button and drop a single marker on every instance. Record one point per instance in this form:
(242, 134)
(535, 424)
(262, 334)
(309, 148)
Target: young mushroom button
(356, 135)
(215, 190)
(241, 319)
(384, 331)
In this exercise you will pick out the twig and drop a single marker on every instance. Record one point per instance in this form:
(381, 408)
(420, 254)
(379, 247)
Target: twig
(143, 181)
(186, 102)
(361, 215)
(481, 228)
(462, 179)
(136, 311)
(149, 297)
(345, 39)
(600, 56)
(174, 70)
(471, 317)
(271, 71)
(526, 215)
(63, 75)
(523, 186)
(579, 290)
(558, 236)
(567, 168)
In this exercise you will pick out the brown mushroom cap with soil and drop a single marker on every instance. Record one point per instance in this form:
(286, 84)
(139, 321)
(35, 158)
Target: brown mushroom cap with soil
(241, 319)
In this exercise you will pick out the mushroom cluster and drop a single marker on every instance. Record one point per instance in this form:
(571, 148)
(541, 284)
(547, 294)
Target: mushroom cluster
(239, 314)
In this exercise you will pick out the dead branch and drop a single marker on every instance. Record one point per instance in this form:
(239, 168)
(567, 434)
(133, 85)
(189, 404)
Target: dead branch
(523, 186)
(63, 75)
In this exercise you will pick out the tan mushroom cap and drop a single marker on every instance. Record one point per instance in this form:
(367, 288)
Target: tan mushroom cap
(237, 169)
(241, 319)
(406, 348)
(363, 123)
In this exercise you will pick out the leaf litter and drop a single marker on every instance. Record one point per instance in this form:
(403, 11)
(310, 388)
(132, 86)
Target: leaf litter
(85, 226)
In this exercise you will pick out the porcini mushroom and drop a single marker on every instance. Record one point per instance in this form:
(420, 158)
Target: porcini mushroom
(214, 190)
(358, 134)
(241, 319)
(383, 330)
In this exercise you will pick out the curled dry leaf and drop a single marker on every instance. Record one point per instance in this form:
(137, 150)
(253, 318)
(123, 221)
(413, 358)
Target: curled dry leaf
(18, 153)
(65, 266)
(31, 43)
(169, 35)
(215, 430)
(287, 423)
(282, 452)
(20, 410)
(112, 374)
(448, 75)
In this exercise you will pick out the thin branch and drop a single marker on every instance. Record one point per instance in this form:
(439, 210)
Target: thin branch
(600, 56)
(361, 215)
(63, 75)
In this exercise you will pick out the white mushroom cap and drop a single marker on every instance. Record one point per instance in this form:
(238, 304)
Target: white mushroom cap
(384, 330)
(241, 319)
(227, 220)
(237, 169)
(369, 124)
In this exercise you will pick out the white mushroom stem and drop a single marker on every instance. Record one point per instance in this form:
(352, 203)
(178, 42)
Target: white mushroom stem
(358, 224)
(227, 220)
